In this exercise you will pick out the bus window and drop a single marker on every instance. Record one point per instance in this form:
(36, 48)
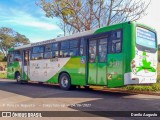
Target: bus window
(102, 50)
(37, 53)
(48, 55)
(116, 42)
(64, 49)
(55, 46)
(10, 58)
(92, 51)
(81, 51)
(37, 56)
(82, 47)
(64, 45)
(55, 54)
(48, 47)
(17, 56)
(73, 43)
(82, 42)
(26, 57)
(38, 49)
(64, 53)
(74, 52)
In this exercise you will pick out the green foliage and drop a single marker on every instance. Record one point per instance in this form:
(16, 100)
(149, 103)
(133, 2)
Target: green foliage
(2, 57)
(10, 38)
(154, 87)
(82, 15)
(3, 75)
(158, 73)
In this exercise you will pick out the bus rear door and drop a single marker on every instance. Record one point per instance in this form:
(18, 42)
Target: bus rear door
(97, 61)
(25, 65)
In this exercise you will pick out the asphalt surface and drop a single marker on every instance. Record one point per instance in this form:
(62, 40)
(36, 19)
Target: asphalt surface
(38, 97)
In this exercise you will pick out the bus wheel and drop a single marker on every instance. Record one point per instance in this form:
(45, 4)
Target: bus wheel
(18, 78)
(65, 81)
(87, 87)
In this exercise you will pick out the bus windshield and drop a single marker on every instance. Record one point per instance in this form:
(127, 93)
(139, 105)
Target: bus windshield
(146, 38)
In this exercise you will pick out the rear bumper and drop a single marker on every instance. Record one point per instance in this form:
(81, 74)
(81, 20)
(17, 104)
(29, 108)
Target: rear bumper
(130, 78)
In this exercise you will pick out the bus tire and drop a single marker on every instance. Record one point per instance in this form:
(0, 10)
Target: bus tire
(65, 81)
(87, 87)
(18, 77)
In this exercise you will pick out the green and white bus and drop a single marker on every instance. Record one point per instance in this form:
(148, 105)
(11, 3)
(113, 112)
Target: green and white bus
(111, 56)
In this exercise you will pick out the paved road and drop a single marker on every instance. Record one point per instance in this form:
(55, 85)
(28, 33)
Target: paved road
(36, 97)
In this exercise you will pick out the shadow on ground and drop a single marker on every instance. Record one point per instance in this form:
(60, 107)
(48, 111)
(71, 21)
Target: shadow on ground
(107, 101)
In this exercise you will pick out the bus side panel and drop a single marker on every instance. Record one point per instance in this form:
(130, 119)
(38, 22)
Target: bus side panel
(75, 67)
(115, 70)
(128, 48)
(26, 72)
(16, 66)
(92, 74)
(129, 45)
(101, 74)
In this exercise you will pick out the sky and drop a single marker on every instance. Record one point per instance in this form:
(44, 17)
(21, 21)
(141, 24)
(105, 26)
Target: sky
(153, 18)
(25, 17)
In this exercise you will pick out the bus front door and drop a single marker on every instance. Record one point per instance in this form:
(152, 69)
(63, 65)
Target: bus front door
(25, 65)
(97, 61)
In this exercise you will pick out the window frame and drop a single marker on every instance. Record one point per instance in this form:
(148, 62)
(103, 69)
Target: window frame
(110, 41)
(48, 50)
(92, 39)
(38, 52)
(39, 46)
(98, 54)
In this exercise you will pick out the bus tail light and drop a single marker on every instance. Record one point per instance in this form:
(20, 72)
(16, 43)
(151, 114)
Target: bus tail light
(133, 78)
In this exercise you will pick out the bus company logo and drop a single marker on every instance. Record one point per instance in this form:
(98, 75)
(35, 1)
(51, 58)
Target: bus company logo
(6, 114)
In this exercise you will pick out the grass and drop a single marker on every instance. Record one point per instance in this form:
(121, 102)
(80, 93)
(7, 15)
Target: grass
(3, 75)
(150, 88)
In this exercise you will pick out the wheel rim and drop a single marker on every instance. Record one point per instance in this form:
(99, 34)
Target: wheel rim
(18, 78)
(64, 81)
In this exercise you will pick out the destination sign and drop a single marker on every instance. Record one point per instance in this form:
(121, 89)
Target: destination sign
(146, 37)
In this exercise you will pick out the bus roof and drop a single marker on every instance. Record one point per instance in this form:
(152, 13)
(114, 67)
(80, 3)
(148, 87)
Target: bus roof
(76, 35)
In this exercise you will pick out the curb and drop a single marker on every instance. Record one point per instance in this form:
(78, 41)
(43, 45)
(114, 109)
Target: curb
(131, 91)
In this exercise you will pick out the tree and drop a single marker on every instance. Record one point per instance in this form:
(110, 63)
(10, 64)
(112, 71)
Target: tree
(10, 38)
(81, 15)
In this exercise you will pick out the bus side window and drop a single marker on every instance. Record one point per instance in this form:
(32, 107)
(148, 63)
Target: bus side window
(17, 56)
(10, 58)
(116, 42)
(26, 58)
(48, 53)
(48, 47)
(82, 47)
(64, 52)
(102, 50)
(55, 48)
(37, 56)
(38, 49)
(74, 47)
(74, 52)
(55, 54)
(37, 53)
(92, 51)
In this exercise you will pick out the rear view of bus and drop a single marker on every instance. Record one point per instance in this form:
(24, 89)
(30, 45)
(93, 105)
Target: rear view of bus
(144, 58)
